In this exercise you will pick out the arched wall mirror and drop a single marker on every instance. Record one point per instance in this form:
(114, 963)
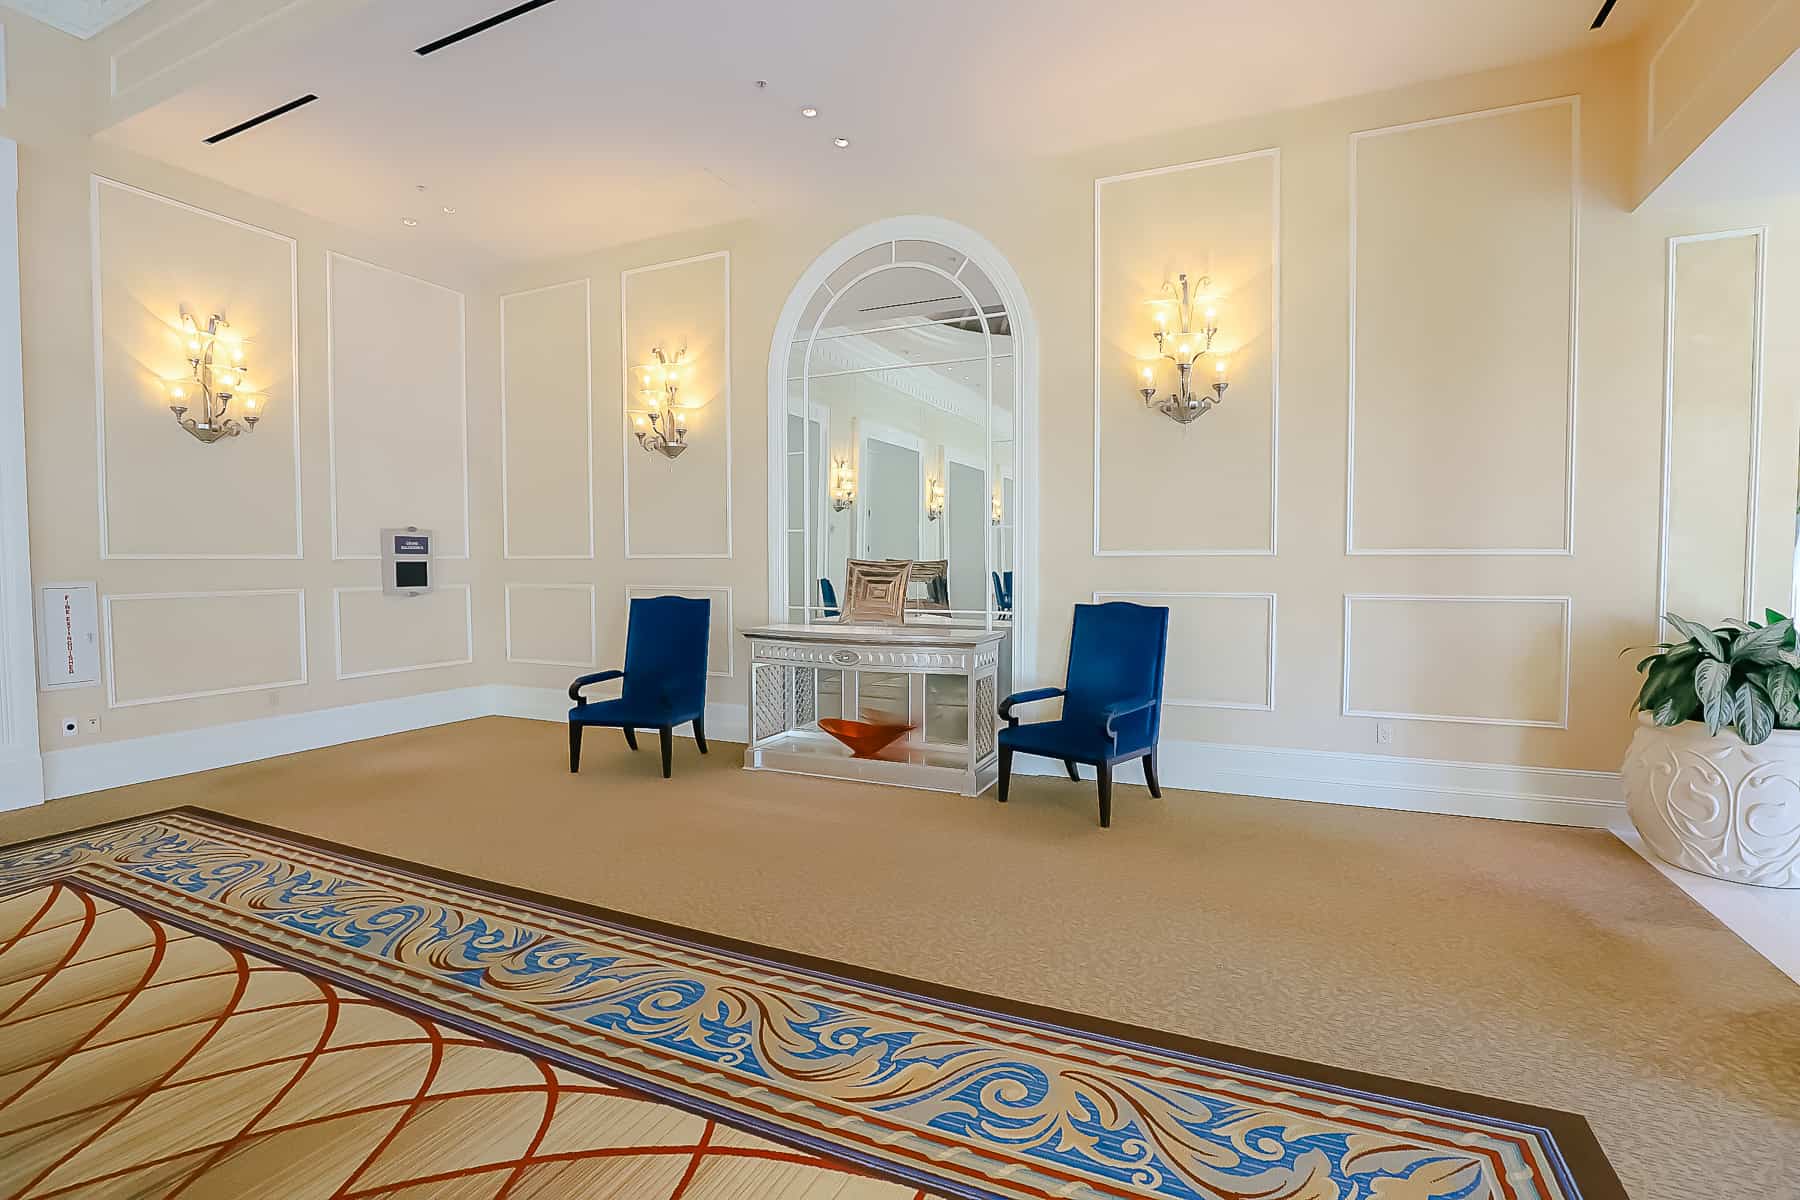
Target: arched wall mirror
(902, 405)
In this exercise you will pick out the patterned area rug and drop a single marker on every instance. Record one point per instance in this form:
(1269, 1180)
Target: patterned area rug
(196, 1006)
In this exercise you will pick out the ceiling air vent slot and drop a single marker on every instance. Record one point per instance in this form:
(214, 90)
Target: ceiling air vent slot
(1605, 12)
(479, 27)
(253, 122)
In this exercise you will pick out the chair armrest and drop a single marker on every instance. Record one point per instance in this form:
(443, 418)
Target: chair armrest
(1031, 697)
(598, 677)
(1122, 708)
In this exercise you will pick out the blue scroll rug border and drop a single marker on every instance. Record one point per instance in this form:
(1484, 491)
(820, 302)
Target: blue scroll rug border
(1575, 1154)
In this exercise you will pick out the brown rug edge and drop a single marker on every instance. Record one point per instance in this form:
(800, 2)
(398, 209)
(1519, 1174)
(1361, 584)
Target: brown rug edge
(1592, 1171)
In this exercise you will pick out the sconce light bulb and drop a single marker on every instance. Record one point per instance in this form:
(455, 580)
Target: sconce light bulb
(654, 402)
(1219, 366)
(178, 393)
(1162, 320)
(250, 403)
(640, 422)
(1149, 374)
(1211, 313)
(194, 345)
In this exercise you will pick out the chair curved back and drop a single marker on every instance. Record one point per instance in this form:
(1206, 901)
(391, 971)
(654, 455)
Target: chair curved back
(1116, 654)
(665, 651)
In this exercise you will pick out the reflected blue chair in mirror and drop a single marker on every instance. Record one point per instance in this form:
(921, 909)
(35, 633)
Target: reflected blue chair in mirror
(1003, 600)
(664, 680)
(1112, 699)
(828, 597)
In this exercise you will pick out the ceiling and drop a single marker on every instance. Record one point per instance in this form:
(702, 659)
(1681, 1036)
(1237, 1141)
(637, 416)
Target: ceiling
(1751, 153)
(83, 18)
(587, 123)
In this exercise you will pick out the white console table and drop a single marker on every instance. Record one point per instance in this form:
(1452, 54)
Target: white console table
(785, 664)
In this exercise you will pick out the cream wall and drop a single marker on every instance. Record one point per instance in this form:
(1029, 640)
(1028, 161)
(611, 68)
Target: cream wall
(222, 595)
(1509, 385)
(1497, 282)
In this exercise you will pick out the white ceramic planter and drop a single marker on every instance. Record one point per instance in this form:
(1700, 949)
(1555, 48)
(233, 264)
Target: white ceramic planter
(1716, 806)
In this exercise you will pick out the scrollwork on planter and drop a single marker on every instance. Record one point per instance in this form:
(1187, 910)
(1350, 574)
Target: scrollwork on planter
(1716, 806)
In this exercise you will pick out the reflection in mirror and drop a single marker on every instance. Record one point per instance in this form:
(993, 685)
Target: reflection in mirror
(901, 444)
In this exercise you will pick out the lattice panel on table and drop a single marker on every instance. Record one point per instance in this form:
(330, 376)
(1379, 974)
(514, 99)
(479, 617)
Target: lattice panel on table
(806, 696)
(985, 716)
(768, 700)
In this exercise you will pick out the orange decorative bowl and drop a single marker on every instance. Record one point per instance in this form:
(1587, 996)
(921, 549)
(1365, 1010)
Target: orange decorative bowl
(865, 739)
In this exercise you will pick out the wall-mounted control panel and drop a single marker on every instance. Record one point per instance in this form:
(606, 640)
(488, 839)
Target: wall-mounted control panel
(406, 568)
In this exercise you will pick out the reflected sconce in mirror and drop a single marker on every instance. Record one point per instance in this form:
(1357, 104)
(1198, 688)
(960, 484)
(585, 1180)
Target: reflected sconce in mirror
(217, 374)
(843, 484)
(1186, 346)
(662, 428)
(999, 514)
(934, 498)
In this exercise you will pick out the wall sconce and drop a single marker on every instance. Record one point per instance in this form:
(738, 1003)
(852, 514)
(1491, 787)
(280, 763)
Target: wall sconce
(218, 373)
(663, 429)
(934, 498)
(1184, 347)
(843, 484)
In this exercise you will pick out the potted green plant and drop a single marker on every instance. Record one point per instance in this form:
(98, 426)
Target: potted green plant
(1712, 778)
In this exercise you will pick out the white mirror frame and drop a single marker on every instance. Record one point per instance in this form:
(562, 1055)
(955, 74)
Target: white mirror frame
(983, 254)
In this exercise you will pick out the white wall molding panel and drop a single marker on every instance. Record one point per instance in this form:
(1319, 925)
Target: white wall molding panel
(678, 508)
(547, 422)
(1712, 425)
(397, 408)
(377, 634)
(1465, 236)
(1221, 647)
(161, 647)
(21, 767)
(1406, 658)
(553, 624)
(1220, 217)
(153, 259)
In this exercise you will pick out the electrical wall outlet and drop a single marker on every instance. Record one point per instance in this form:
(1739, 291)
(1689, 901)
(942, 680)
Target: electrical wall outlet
(1384, 733)
(90, 724)
(71, 727)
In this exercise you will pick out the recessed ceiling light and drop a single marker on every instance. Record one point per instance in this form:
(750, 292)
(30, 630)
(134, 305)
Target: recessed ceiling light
(841, 143)
(448, 211)
(408, 222)
(809, 111)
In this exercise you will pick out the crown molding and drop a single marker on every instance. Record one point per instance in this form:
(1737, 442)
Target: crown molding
(82, 18)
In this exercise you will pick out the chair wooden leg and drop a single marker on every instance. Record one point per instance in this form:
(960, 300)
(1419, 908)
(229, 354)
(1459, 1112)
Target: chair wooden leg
(630, 736)
(668, 749)
(1105, 772)
(1005, 772)
(1150, 775)
(574, 747)
(1073, 770)
(700, 733)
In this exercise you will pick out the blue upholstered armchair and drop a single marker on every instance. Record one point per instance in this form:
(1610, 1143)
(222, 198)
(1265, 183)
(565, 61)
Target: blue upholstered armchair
(828, 598)
(665, 678)
(1112, 700)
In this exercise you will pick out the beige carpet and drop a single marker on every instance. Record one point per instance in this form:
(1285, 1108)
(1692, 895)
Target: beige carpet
(1550, 966)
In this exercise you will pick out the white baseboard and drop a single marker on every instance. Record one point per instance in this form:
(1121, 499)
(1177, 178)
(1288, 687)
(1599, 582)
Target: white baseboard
(1546, 795)
(160, 756)
(105, 765)
(1542, 794)
(21, 779)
